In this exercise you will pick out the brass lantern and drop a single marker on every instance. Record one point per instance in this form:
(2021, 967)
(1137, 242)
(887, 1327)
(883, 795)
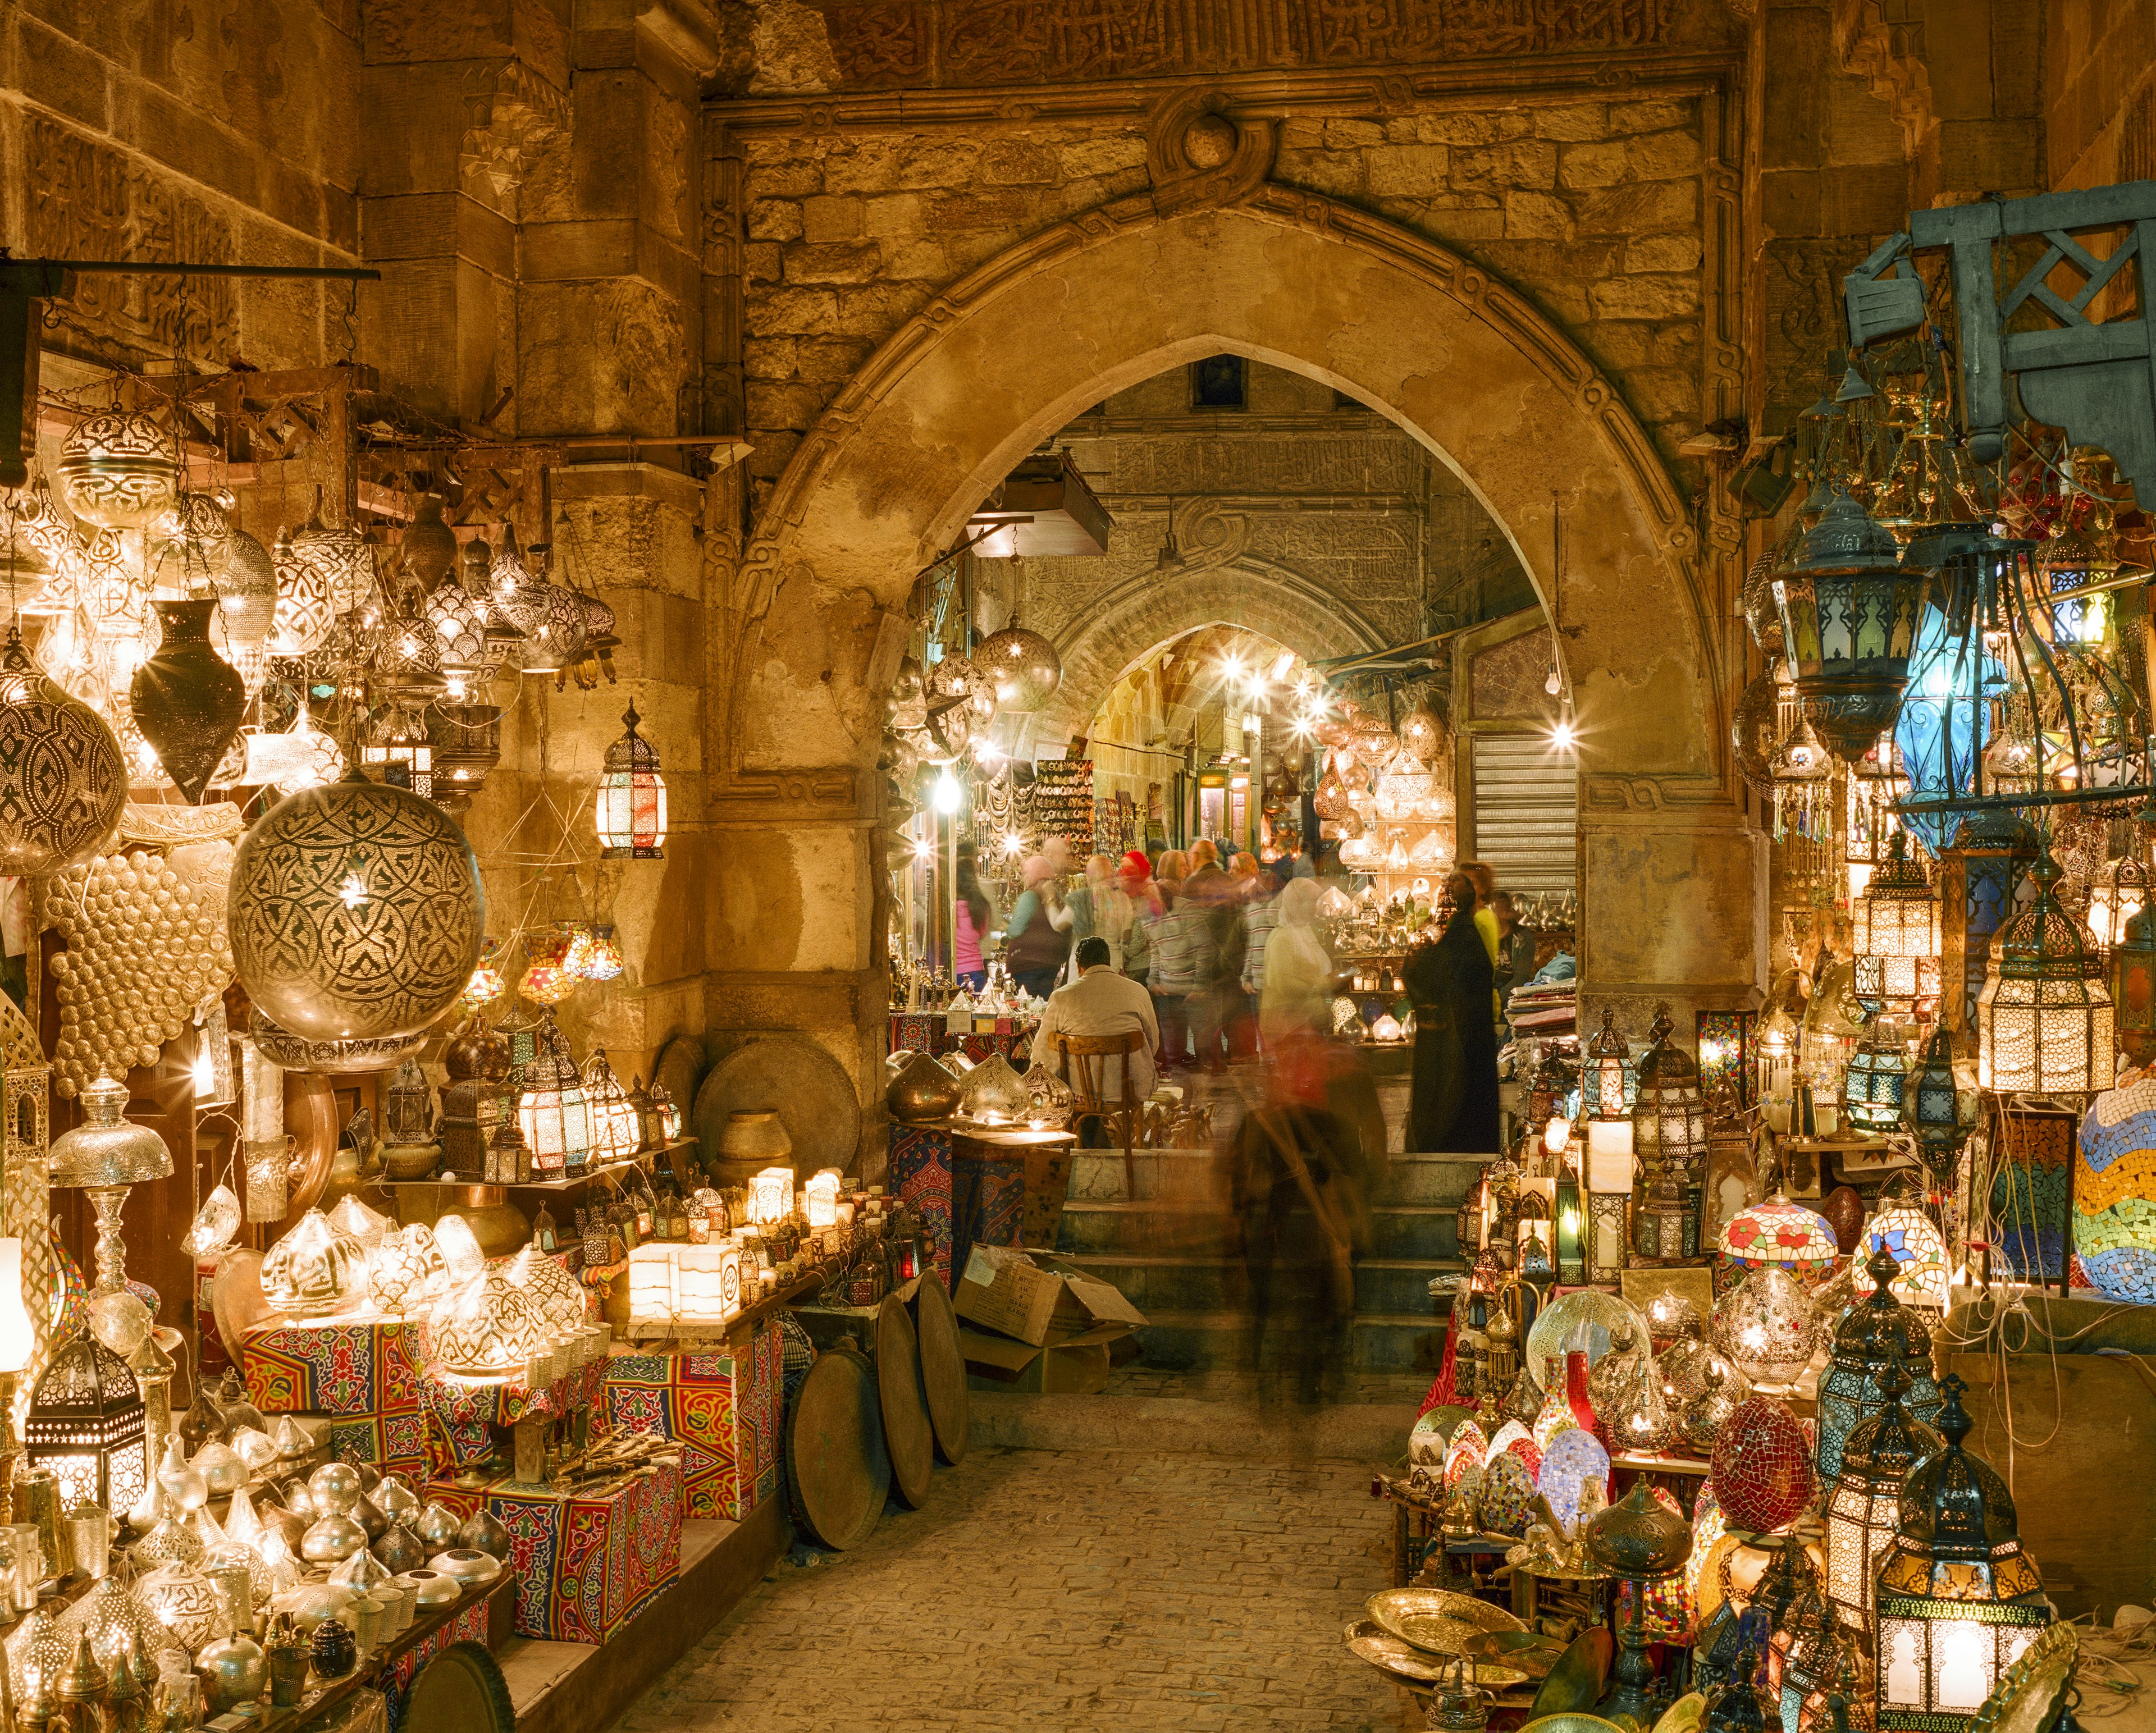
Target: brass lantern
(396, 750)
(1897, 936)
(1849, 609)
(1669, 1137)
(1932, 1101)
(1877, 1081)
(1874, 1333)
(1864, 1501)
(85, 1426)
(1957, 1599)
(617, 1132)
(630, 806)
(2130, 972)
(1604, 1075)
(2044, 1019)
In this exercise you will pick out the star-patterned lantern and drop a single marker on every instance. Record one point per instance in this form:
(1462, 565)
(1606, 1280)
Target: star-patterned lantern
(1877, 1332)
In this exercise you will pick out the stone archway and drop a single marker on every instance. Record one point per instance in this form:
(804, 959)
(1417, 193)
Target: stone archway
(1136, 616)
(992, 365)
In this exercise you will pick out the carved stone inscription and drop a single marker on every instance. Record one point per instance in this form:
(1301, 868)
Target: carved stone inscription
(959, 42)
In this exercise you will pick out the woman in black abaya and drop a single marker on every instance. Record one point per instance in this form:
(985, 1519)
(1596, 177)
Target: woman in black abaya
(1453, 1105)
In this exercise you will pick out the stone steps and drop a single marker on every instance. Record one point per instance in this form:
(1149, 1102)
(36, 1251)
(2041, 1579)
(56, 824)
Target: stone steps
(1201, 1340)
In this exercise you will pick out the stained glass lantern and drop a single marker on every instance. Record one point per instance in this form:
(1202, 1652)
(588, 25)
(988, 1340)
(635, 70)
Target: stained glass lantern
(1573, 1458)
(629, 808)
(552, 1110)
(1864, 1499)
(1957, 1599)
(2044, 1017)
(1932, 1101)
(85, 1428)
(1897, 936)
(1605, 1072)
(1669, 1139)
(1798, 1241)
(1762, 1467)
(617, 1132)
(396, 750)
(1875, 1083)
(1848, 610)
(2114, 1193)
(2130, 974)
(1919, 1251)
(1877, 1332)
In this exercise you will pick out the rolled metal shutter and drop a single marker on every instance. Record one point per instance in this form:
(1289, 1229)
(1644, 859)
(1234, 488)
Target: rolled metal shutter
(1526, 809)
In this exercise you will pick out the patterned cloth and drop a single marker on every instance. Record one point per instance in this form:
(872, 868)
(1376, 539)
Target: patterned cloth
(724, 1409)
(920, 1172)
(587, 1563)
(988, 1202)
(371, 1369)
(469, 1626)
(462, 1418)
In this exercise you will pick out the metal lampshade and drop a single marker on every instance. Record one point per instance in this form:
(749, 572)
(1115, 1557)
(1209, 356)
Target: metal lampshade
(2045, 1018)
(1849, 609)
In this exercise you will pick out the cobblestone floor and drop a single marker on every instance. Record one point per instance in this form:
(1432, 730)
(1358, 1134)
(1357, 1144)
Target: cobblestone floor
(1221, 1385)
(1109, 1594)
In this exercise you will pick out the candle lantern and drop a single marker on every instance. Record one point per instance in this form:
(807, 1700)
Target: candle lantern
(1571, 1229)
(1549, 1091)
(1876, 1333)
(1931, 1101)
(616, 1129)
(822, 1190)
(467, 742)
(1897, 936)
(1873, 1087)
(2045, 1018)
(509, 1156)
(668, 1111)
(771, 1197)
(630, 806)
(1863, 1500)
(85, 1426)
(407, 1107)
(471, 1099)
(1669, 1137)
(553, 1111)
(398, 750)
(1778, 1054)
(1957, 1599)
(1605, 1071)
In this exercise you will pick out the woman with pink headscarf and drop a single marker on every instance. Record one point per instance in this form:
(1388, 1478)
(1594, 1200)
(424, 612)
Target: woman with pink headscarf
(1039, 937)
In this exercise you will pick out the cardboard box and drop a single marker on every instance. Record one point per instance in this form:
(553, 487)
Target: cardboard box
(1031, 1300)
(1077, 1366)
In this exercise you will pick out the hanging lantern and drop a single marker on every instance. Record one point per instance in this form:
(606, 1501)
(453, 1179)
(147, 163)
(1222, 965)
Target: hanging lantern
(120, 470)
(1957, 1599)
(617, 1133)
(1875, 782)
(304, 617)
(1402, 787)
(469, 660)
(63, 781)
(467, 742)
(1873, 1087)
(2130, 974)
(85, 1428)
(246, 607)
(1933, 1100)
(1669, 1137)
(1897, 936)
(340, 555)
(1981, 877)
(1849, 609)
(1765, 1325)
(555, 637)
(1024, 666)
(630, 806)
(354, 911)
(1804, 781)
(1878, 1332)
(398, 752)
(552, 1110)
(1864, 1498)
(187, 699)
(2045, 1020)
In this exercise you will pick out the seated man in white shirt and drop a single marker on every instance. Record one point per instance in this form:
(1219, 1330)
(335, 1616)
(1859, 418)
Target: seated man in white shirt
(1099, 1002)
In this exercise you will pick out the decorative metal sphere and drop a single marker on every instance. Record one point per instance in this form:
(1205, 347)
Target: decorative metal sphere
(62, 778)
(1023, 665)
(356, 912)
(120, 470)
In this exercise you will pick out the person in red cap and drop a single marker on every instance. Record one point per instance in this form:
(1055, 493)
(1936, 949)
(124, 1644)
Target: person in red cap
(1134, 877)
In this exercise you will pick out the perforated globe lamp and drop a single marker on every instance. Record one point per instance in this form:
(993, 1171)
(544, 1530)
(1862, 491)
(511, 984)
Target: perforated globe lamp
(1957, 1599)
(1879, 1331)
(629, 808)
(2044, 1021)
(1850, 609)
(1897, 936)
(85, 1426)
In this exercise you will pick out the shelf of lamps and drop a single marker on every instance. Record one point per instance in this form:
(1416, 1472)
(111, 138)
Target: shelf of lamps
(583, 1176)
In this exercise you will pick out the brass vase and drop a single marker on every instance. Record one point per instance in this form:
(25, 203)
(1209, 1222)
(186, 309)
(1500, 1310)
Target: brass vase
(188, 699)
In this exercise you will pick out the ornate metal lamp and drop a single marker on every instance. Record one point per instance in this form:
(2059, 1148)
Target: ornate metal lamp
(1602, 1084)
(553, 1111)
(1876, 1333)
(105, 1156)
(1669, 1137)
(1897, 935)
(2044, 1019)
(617, 1127)
(1958, 1600)
(1849, 609)
(2130, 973)
(1931, 1101)
(629, 808)
(1639, 1539)
(1864, 1499)
(1877, 1081)
(86, 1426)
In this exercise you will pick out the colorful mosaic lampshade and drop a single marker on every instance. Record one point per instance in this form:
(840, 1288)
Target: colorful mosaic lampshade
(1798, 1241)
(2114, 1193)
(1573, 1458)
(85, 1428)
(1875, 1083)
(1919, 1251)
(1957, 1599)
(1864, 1499)
(2044, 1016)
(1877, 1332)
(1762, 1467)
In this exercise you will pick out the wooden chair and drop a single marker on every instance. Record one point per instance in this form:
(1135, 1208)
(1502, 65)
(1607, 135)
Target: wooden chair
(1092, 1054)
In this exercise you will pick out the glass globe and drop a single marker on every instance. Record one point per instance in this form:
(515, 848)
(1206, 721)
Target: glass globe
(1766, 1326)
(120, 1321)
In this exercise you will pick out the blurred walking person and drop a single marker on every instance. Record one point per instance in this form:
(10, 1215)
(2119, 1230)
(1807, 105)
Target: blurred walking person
(1038, 937)
(1453, 1107)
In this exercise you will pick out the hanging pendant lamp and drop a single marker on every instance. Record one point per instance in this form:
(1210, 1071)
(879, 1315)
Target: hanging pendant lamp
(187, 699)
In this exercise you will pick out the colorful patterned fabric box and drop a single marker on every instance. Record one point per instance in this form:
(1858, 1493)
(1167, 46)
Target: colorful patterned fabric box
(588, 1562)
(920, 1173)
(460, 1419)
(724, 1409)
(371, 1368)
(396, 1443)
(469, 1626)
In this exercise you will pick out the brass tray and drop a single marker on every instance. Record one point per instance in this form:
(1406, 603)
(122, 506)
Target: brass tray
(1571, 1721)
(1685, 1716)
(1402, 1660)
(1530, 1652)
(1436, 1620)
(1575, 1684)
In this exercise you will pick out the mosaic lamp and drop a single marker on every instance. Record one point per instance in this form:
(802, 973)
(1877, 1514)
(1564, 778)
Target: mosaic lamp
(2130, 974)
(85, 1426)
(1897, 935)
(1864, 1498)
(1876, 1333)
(1919, 1252)
(1766, 1327)
(629, 808)
(1798, 1241)
(2044, 1016)
(2114, 1193)
(1762, 1467)
(1957, 1598)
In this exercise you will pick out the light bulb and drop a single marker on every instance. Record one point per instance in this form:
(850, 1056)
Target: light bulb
(1555, 684)
(1562, 737)
(948, 795)
(1557, 1134)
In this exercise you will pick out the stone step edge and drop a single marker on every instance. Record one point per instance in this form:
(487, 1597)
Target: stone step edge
(1170, 1260)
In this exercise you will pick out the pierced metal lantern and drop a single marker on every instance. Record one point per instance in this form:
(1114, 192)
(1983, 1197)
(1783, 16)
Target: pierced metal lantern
(1875, 1085)
(85, 1426)
(398, 750)
(553, 1111)
(629, 808)
(2044, 1019)
(1025, 666)
(1849, 609)
(1897, 936)
(1669, 1137)
(1957, 1599)
(2130, 973)
(1932, 1101)
(1604, 1073)
(407, 1107)
(120, 470)
(616, 1129)
(467, 742)
(1876, 1333)
(62, 778)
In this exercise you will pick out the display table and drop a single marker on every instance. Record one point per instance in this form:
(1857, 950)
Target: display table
(995, 1171)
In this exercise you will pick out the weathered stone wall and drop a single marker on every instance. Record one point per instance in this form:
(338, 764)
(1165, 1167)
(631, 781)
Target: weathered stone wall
(2099, 67)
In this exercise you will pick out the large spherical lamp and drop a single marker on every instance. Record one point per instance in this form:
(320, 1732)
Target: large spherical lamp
(356, 912)
(1023, 665)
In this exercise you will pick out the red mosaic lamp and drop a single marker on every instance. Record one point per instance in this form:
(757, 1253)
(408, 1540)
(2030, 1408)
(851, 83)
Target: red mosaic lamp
(1762, 1467)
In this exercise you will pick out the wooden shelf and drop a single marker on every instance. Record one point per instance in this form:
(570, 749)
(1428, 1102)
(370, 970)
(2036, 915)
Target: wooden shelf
(583, 1177)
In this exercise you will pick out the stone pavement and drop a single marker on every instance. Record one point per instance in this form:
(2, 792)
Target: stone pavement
(1116, 1592)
